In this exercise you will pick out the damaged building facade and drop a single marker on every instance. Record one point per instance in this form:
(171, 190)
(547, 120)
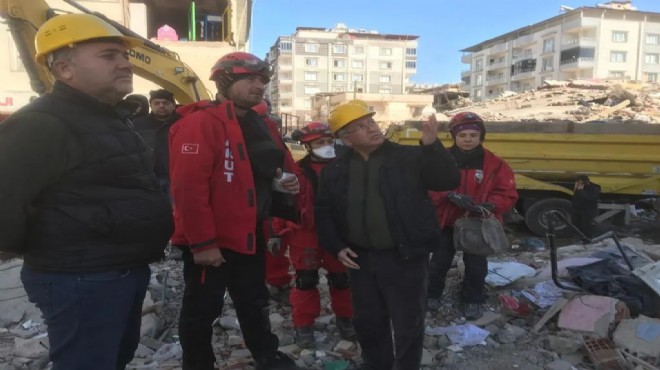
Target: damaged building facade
(609, 41)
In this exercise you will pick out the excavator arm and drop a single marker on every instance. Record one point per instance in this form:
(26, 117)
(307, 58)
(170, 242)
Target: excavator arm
(150, 61)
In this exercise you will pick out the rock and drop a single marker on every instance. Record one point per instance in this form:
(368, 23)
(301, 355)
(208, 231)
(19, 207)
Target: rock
(431, 342)
(428, 358)
(276, 320)
(235, 340)
(639, 336)
(151, 343)
(558, 365)
(229, 322)
(143, 351)
(492, 329)
(15, 306)
(487, 318)
(562, 345)
(30, 348)
(325, 320)
(573, 358)
(344, 345)
(240, 353)
(285, 339)
(150, 325)
(510, 334)
(443, 341)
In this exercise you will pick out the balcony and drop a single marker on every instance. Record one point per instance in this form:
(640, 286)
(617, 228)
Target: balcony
(499, 48)
(578, 41)
(523, 73)
(577, 63)
(285, 67)
(466, 58)
(580, 24)
(495, 80)
(523, 41)
(498, 65)
(466, 73)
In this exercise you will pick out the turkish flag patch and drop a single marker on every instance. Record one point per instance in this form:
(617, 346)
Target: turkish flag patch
(190, 149)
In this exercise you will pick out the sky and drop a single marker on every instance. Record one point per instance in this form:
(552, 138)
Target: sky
(444, 26)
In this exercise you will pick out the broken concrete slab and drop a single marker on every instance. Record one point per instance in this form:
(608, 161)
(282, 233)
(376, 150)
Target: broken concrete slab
(588, 314)
(640, 335)
(31, 348)
(563, 345)
(488, 317)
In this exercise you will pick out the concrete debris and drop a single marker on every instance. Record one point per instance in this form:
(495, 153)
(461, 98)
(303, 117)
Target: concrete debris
(640, 336)
(650, 274)
(576, 101)
(559, 365)
(589, 314)
(534, 340)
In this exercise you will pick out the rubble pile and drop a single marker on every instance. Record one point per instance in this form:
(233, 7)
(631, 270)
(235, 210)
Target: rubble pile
(529, 322)
(576, 101)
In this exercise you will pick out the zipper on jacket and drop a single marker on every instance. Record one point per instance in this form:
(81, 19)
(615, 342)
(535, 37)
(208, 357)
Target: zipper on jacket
(365, 202)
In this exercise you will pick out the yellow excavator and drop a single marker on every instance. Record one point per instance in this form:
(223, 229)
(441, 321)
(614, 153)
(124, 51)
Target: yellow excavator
(150, 61)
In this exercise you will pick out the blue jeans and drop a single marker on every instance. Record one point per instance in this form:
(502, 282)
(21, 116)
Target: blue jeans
(93, 319)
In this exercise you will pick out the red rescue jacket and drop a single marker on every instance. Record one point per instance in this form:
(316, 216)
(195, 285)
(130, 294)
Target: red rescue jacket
(212, 183)
(304, 232)
(498, 186)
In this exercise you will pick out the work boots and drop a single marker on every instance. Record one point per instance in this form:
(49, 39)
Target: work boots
(345, 328)
(304, 337)
(472, 311)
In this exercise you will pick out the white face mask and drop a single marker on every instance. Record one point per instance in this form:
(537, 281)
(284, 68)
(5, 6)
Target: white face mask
(325, 152)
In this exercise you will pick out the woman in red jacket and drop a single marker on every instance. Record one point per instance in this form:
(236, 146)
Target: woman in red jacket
(487, 181)
(304, 251)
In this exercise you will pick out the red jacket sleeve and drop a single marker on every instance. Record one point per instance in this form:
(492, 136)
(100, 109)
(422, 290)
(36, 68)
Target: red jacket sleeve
(503, 193)
(193, 150)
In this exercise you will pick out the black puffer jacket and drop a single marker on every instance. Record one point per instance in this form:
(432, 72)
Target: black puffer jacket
(79, 195)
(406, 175)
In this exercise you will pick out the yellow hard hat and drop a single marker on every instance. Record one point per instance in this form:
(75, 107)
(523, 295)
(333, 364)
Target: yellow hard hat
(359, 102)
(347, 113)
(68, 29)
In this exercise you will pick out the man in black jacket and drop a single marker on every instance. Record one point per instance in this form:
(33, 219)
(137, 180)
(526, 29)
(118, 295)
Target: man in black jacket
(155, 129)
(373, 212)
(79, 200)
(585, 205)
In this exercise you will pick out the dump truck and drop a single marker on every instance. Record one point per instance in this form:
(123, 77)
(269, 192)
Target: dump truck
(623, 158)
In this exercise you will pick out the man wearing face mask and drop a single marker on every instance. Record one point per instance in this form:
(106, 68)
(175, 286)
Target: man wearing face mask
(306, 255)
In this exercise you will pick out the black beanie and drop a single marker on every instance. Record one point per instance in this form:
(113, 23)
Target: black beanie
(161, 94)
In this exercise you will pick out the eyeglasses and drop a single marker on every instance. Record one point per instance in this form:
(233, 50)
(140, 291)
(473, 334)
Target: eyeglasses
(362, 125)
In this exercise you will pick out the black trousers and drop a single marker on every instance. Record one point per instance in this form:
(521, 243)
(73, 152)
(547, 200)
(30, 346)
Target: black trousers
(476, 269)
(584, 221)
(244, 277)
(389, 296)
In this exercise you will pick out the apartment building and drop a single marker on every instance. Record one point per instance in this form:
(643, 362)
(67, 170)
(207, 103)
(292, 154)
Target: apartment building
(210, 30)
(319, 60)
(609, 41)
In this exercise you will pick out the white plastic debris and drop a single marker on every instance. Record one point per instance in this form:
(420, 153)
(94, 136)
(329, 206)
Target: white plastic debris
(505, 273)
(461, 335)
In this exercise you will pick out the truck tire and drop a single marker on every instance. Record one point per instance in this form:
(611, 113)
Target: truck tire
(536, 216)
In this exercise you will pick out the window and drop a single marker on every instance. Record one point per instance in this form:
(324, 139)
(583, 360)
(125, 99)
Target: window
(339, 77)
(384, 90)
(385, 65)
(548, 45)
(653, 38)
(339, 49)
(358, 50)
(285, 76)
(311, 48)
(616, 74)
(651, 58)
(311, 62)
(311, 90)
(385, 51)
(411, 51)
(650, 77)
(478, 65)
(618, 56)
(307, 103)
(619, 36)
(311, 76)
(384, 78)
(357, 78)
(547, 64)
(357, 64)
(286, 46)
(411, 64)
(478, 81)
(339, 63)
